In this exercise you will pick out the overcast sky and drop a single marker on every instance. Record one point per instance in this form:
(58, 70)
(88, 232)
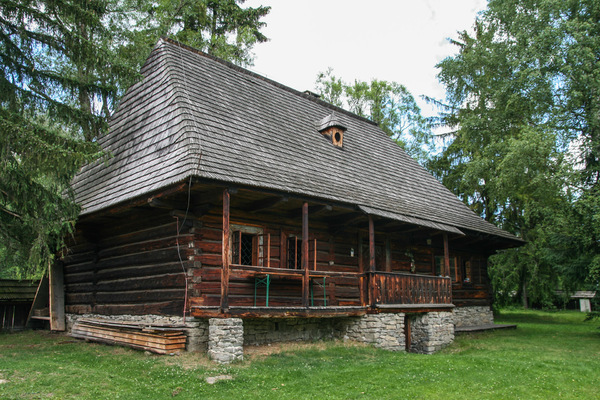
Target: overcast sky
(394, 40)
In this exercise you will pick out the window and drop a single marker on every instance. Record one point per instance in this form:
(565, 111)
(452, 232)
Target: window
(467, 272)
(294, 252)
(439, 267)
(246, 245)
(243, 248)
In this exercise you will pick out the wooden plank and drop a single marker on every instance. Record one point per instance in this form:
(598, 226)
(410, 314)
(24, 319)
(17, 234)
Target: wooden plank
(306, 280)
(225, 253)
(371, 282)
(152, 336)
(446, 256)
(57, 297)
(129, 337)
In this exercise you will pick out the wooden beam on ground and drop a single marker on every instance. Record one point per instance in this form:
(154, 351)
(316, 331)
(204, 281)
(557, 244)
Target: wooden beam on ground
(57, 297)
(305, 281)
(225, 253)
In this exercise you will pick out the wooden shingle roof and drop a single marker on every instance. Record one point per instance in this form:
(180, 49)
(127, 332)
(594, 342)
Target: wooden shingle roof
(194, 115)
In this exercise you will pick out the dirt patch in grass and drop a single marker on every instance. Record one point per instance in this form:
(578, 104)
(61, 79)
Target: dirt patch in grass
(252, 353)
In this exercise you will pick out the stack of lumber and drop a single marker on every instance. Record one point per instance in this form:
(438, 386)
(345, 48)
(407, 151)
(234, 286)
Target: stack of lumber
(157, 339)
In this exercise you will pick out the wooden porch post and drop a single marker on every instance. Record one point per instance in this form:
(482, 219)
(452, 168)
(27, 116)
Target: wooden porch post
(361, 268)
(306, 280)
(57, 297)
(371, 262)
(446, 255)
(225, 254)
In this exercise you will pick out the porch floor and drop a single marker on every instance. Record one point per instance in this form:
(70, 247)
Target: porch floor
(279, 312)
(482, 328)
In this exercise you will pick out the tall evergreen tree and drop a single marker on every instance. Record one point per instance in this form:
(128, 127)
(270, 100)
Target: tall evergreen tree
(222, 28)
(53, 77)
(522, 98)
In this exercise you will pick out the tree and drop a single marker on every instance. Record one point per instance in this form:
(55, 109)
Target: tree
(222, 28)
(64, 67)
(389, 104)
(50, 82)
(521, 99)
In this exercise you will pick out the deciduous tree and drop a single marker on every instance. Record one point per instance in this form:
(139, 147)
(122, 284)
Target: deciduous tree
(522, 103)
(389, 104)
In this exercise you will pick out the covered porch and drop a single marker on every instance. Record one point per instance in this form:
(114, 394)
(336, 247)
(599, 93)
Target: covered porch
(318, 281)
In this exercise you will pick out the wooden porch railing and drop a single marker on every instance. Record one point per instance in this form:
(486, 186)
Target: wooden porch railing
(398, 288)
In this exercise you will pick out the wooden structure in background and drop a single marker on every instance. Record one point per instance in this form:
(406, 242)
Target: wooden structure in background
(220, 177)
(16, 297)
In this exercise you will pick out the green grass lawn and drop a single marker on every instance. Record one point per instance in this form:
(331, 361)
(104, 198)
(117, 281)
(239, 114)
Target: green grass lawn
(549, 355)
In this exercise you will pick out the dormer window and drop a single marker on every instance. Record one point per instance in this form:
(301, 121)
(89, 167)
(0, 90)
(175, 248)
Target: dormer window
(331, 128)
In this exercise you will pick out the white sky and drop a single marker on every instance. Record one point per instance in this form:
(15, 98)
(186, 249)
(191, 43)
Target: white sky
(393, 40)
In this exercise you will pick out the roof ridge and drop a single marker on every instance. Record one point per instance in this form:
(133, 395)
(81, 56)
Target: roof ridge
(267, 80)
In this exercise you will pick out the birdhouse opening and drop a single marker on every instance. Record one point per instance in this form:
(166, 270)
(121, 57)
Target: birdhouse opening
(331, 128)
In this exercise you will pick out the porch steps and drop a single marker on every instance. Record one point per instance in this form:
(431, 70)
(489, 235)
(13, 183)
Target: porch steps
(482, 328)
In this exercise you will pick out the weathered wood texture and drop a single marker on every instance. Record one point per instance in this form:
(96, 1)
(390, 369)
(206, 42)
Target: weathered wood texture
(133, 265)
(332, 253)
(389, 288)
(157, 339)
(134, 268)
(57, 297)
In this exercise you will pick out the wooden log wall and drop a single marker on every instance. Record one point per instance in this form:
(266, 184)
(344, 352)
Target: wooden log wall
(284, 291)
(134, 268)
(477, 292)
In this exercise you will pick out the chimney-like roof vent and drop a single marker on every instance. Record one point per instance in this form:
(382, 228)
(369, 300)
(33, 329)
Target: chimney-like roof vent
(312, 94)
(331, 127)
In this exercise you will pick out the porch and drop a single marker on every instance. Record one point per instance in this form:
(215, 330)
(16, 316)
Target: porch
(267, 292)
(270, 272)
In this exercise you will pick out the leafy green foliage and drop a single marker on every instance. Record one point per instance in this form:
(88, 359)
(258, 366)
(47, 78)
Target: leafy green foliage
(523, 153)
(389, 104)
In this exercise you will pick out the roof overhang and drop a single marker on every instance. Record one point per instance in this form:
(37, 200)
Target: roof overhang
(411, 220)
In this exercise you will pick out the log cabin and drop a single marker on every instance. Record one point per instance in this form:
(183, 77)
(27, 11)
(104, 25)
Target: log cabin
(248, 212)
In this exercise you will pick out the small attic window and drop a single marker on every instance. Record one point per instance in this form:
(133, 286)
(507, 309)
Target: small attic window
(331, 128)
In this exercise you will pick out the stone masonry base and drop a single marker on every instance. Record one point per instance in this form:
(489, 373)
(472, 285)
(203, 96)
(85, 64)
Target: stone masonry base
(223, 338)
(431, 332)
(385, 331)
(473, 316)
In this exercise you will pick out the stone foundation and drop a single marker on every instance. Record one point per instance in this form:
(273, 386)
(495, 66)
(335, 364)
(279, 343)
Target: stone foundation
(385, 331)
(196, 329)
(473, 316)
(263, 331)
(225, 339)
(431, 332)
